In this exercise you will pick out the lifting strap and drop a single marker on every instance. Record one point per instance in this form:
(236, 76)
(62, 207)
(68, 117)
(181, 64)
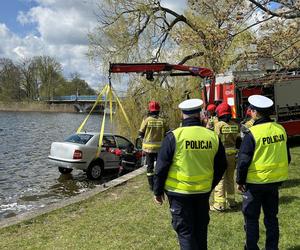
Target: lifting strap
(109, 94)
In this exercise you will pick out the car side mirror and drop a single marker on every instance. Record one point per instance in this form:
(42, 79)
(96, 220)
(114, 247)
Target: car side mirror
(139, 143)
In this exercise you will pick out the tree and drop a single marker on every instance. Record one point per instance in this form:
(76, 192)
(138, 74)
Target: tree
(80, 86)
(207, 34)
(74, 86)
(145, 30)
(281, 42)
(29, 80)
(287, 9)
(50, 75)
(10, 81)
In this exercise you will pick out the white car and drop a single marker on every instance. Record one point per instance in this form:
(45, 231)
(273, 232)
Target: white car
(78, 151)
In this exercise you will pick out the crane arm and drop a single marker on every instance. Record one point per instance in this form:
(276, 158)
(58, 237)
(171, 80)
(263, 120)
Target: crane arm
(150, 68)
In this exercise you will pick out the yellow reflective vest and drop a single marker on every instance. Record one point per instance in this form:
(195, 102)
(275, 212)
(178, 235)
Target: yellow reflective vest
(270, 160)
(193, 161)
(154, 129)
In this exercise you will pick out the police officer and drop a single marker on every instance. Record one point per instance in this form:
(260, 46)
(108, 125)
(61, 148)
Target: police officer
(190, 163)
(152, 130)
(262, 167)
(229, 133)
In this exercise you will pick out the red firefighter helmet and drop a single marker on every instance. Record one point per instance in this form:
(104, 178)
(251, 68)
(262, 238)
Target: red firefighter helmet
(153, 106)
(211, 107)
(223, 109)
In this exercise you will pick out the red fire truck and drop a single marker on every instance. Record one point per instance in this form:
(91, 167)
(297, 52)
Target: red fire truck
(282, 86)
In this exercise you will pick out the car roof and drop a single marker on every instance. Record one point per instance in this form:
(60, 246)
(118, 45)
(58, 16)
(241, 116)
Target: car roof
(97, 133)
(93, 133)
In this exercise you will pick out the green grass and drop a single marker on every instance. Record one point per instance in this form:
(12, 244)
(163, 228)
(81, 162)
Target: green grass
(125, 217)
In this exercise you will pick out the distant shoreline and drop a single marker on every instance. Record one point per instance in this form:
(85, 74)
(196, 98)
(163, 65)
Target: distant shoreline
(36, 107)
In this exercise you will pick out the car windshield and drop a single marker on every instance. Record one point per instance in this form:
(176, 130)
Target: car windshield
(79, 138)
(122, 142)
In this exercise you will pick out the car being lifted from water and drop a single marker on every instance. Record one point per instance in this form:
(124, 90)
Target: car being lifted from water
(79, 151)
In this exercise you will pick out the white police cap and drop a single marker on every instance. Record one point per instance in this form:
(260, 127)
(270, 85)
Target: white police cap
(190, 106)
(260, 102)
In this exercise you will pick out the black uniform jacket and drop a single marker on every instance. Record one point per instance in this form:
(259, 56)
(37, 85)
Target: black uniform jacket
(246, 154)
(165, 158)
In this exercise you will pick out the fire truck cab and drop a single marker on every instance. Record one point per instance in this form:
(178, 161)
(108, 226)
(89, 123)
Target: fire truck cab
(282, 86)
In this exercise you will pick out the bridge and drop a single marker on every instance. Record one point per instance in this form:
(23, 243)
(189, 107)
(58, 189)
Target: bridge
(82, 103)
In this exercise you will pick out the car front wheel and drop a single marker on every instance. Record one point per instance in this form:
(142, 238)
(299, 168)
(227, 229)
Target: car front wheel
(65, 170)
(95, 171)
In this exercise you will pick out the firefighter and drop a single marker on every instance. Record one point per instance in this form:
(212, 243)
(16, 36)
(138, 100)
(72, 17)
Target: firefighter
(190, 163)
(247, 123)
(212, 119)
(152, 130)
(262, 167)
(228, 131)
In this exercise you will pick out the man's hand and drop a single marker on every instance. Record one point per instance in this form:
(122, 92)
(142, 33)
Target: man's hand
(159, 199)
(241, 188)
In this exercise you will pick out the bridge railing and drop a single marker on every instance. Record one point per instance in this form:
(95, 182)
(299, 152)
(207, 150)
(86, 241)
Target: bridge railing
(76, 98)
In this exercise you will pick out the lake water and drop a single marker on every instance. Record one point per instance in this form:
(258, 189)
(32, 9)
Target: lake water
(27, 180)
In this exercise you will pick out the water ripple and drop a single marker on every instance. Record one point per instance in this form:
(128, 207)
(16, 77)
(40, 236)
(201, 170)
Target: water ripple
(27, 180)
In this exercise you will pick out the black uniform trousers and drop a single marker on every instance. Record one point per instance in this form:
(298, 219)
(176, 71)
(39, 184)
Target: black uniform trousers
(257, 196)
(150, 159)
(190, 218)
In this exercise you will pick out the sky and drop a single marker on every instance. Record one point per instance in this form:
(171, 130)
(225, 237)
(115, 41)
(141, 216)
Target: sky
(56, 28)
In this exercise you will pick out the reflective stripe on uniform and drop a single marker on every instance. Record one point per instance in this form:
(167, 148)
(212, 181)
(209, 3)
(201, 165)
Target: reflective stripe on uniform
(180, 176)
(151, 145)
(188, 187)
(219, 199)
(230, 129)
(154, 130)
(230, 151)
(156, 124)
(249, 123)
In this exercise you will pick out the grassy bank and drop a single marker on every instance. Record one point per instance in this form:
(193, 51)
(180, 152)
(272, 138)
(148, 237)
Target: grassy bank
(36, 106)
(126, 218)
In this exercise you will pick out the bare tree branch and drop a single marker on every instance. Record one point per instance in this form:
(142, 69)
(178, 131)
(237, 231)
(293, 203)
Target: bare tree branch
(185, 20)
(189, 57)
(287, 48)
(287, 14)
(252, 25)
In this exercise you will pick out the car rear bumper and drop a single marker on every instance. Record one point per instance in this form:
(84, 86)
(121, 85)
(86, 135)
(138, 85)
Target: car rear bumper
(77, 164)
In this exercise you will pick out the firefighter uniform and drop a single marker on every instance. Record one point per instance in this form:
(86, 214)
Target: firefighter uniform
(245, 127)
(228, 131)
(212, 122)
(249, 123)
(262, 167)
(212, 118)
(190, 163)
(224, 194)
(153, 129)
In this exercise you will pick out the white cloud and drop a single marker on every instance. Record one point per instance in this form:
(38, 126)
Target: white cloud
(60, 25)
(8, 42)
(62, 28)
(61, 32)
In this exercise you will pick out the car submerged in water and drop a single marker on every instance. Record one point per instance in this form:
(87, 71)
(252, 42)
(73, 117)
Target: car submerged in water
(79, 151)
